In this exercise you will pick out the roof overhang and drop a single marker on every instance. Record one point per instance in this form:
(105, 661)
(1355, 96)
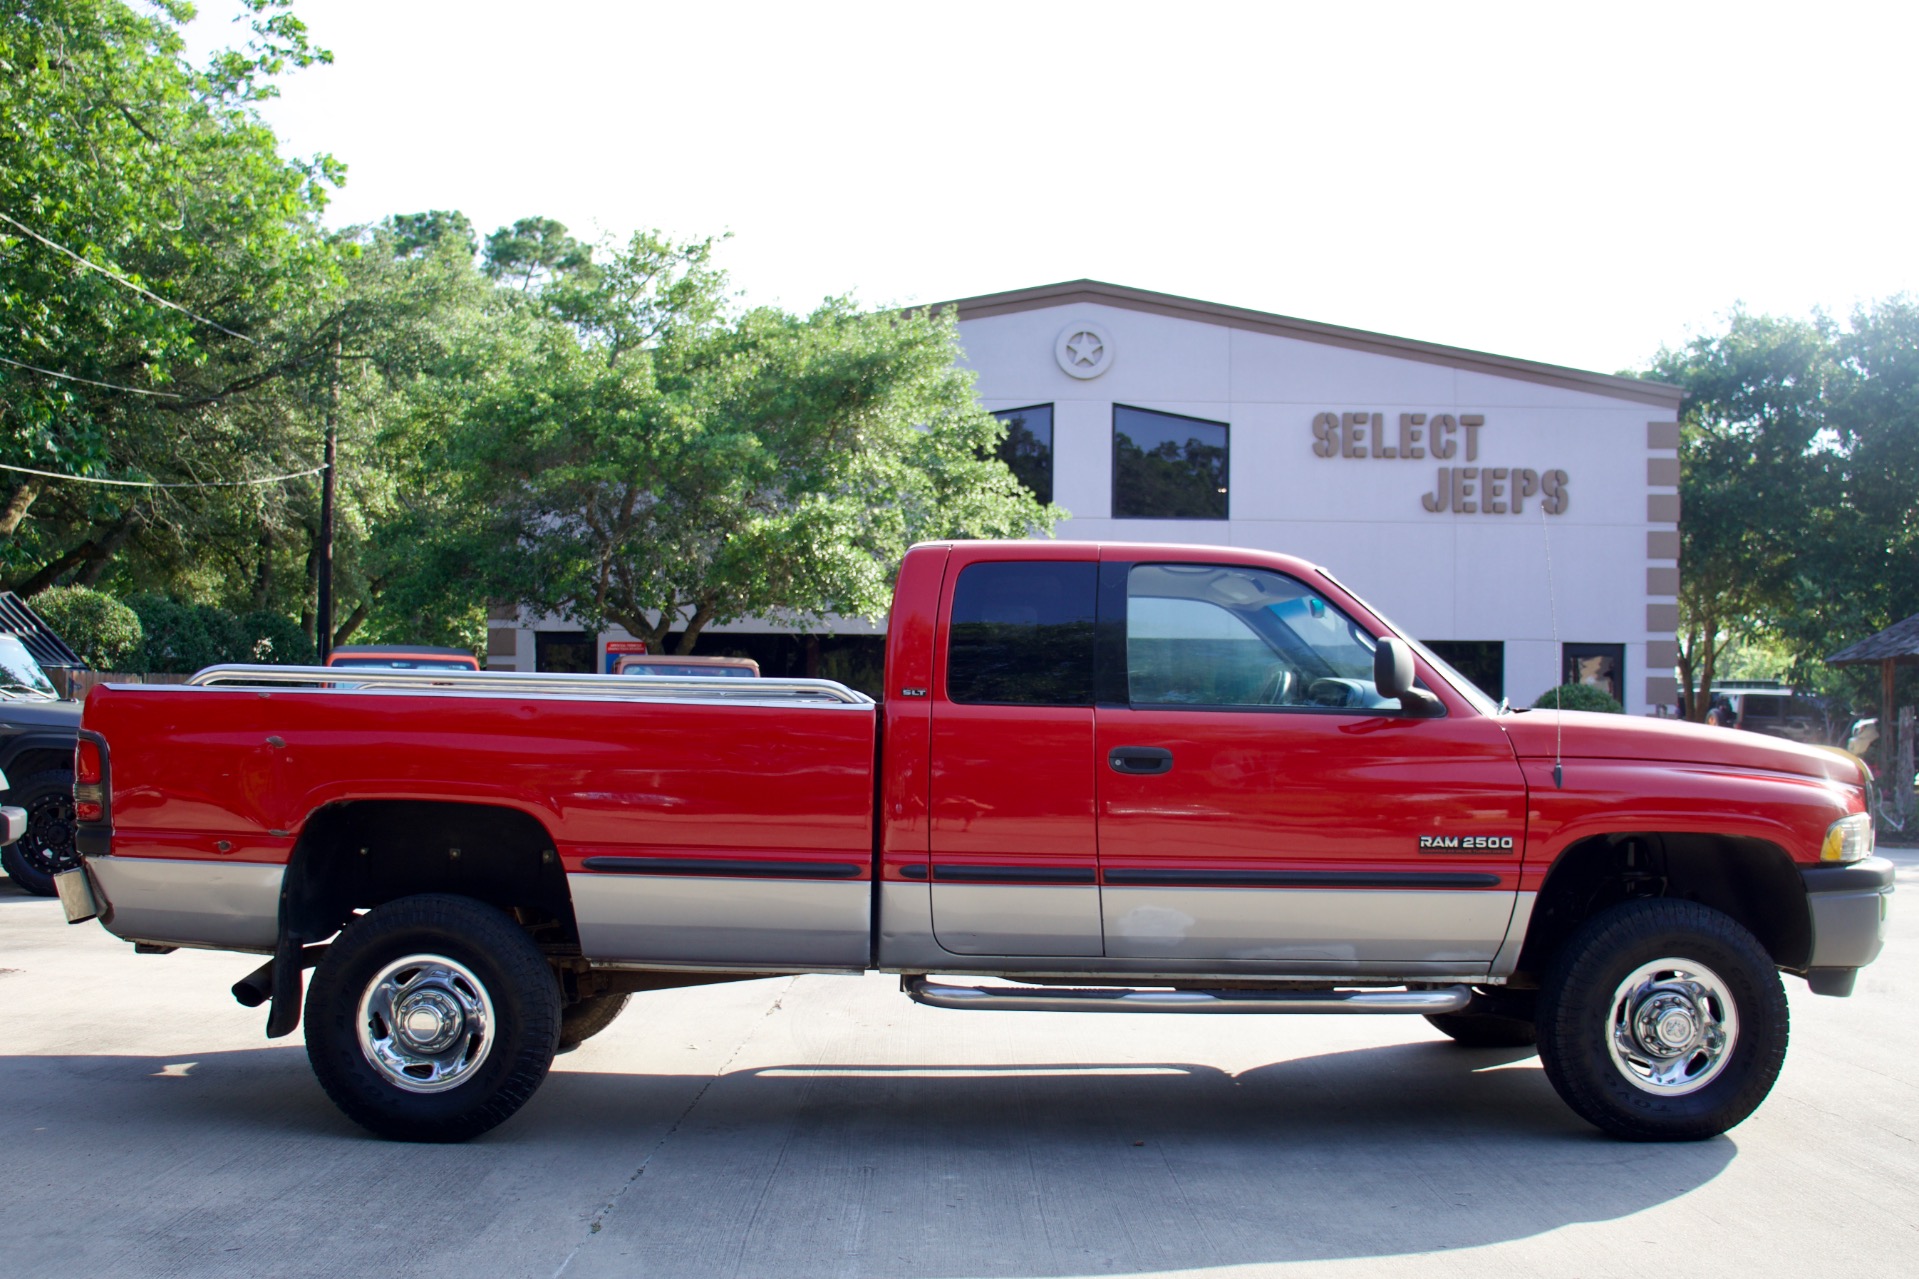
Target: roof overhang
(1099, 293)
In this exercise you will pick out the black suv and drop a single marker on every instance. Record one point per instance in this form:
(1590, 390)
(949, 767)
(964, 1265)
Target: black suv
(37, 733)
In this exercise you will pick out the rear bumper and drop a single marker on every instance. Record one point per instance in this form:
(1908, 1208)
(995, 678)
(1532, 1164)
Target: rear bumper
(214, 905)
(1849, 905)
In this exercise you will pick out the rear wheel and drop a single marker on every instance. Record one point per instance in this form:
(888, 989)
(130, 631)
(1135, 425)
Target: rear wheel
(585, 1018)
(1663, 1020)
(47, 847)
(432, 1018)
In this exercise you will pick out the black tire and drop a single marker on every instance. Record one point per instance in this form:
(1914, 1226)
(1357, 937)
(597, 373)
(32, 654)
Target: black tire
(473, 955)
(1706, 971)
(47, 847)
(582, 1020)
(1485, 1030)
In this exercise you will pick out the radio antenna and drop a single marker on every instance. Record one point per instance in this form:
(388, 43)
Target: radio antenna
(1552, 611)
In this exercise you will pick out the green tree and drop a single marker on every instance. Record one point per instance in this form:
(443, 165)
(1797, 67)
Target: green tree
(651, 461)
(1754, 484)
(164, 176)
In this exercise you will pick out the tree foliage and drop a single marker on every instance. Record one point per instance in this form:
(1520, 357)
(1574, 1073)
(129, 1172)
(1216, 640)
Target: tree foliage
(1799, 459)
(651, 460)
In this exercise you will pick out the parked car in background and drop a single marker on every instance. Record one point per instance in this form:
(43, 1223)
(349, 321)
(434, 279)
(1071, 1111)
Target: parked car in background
(37, 734)
(1773, 710)
(403, 657)
(666, 666)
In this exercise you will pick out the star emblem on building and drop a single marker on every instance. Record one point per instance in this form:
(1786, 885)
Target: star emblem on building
(1085, 349)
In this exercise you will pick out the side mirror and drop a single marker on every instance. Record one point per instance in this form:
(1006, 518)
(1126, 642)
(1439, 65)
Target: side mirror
(1393, 676)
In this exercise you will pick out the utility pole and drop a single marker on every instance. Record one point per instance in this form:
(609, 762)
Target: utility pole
(323, 624)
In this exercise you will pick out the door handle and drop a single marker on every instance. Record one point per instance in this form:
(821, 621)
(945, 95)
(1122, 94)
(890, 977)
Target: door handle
(1140, 761)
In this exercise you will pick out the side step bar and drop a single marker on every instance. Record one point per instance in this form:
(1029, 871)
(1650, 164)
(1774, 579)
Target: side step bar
(1034, 999)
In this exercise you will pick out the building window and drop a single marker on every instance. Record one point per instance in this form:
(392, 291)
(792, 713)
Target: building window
(567, 652)
(1167, 467)
(1022, 634)
(1027, 449)
(1481, 661)
(1601, 665)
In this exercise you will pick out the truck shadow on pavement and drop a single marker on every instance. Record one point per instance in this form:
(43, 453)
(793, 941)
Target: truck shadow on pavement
(1075, 1168)
(916, 1172)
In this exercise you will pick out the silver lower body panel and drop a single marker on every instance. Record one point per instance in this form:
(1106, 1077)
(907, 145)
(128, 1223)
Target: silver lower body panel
(1017, 919)
(727, 923)
(1313, 926)
(204, 904)
(907, 944)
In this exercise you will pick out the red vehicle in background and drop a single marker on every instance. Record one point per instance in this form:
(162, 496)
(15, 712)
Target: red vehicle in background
(1129, 778)
(402, 657)
(667, 666)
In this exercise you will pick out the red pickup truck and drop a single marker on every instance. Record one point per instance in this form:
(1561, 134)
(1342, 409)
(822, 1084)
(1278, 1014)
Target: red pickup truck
(1128, 778)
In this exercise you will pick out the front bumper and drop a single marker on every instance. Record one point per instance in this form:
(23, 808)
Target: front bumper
(1848, 905)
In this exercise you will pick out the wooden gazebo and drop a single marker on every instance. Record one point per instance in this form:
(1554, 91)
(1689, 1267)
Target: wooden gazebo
(1897, 645)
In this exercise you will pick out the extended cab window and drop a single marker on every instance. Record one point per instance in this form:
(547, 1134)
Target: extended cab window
(1023, 634)
(1205, 635)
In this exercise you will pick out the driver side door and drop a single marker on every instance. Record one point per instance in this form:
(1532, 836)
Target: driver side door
(1260, 803)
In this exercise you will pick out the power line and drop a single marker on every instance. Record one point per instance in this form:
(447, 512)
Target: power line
(155, 484)
(116, 276)
(71, 377)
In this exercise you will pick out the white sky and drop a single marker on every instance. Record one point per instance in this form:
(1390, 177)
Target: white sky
(1569, 183)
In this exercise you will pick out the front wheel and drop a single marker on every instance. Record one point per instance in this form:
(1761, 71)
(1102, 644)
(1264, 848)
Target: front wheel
(432, 1018)
(1663, 1020)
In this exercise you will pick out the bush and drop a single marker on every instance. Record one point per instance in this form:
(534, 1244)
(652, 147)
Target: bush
(176, 635)
(104, 632)
(183, 638)
(1578, 697)
(271, 638)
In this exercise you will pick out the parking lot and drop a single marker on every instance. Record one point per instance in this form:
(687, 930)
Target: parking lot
(824, 1126)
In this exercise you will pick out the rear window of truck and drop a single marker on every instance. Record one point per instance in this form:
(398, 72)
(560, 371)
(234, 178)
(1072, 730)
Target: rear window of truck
(1022, 634)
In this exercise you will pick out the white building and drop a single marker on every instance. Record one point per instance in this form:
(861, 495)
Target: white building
(1520, 517)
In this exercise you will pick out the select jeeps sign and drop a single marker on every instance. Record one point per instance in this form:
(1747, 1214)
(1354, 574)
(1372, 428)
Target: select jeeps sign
(1469, 489)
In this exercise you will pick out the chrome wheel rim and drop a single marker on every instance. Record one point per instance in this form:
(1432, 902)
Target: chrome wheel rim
(426, 1023)
(1672, 1027)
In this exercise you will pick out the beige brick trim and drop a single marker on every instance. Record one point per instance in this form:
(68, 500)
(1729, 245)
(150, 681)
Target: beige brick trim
(502, 641)
(1662, 619)
(1662, 581)
(1662, 435)
(1662, 472)
(1662, 508)
(1662, 690)
(1662, 655)
(1662, 544)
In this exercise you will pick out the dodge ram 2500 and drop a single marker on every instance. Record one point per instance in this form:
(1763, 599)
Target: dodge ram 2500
(1129, 778)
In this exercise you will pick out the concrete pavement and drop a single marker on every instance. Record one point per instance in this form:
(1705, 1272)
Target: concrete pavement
(824, 1126)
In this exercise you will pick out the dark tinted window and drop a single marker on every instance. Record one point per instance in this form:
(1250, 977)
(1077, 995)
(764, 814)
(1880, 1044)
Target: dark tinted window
(1481, 661)
(1167, 467)
(1027, 449)
(1023, 633)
